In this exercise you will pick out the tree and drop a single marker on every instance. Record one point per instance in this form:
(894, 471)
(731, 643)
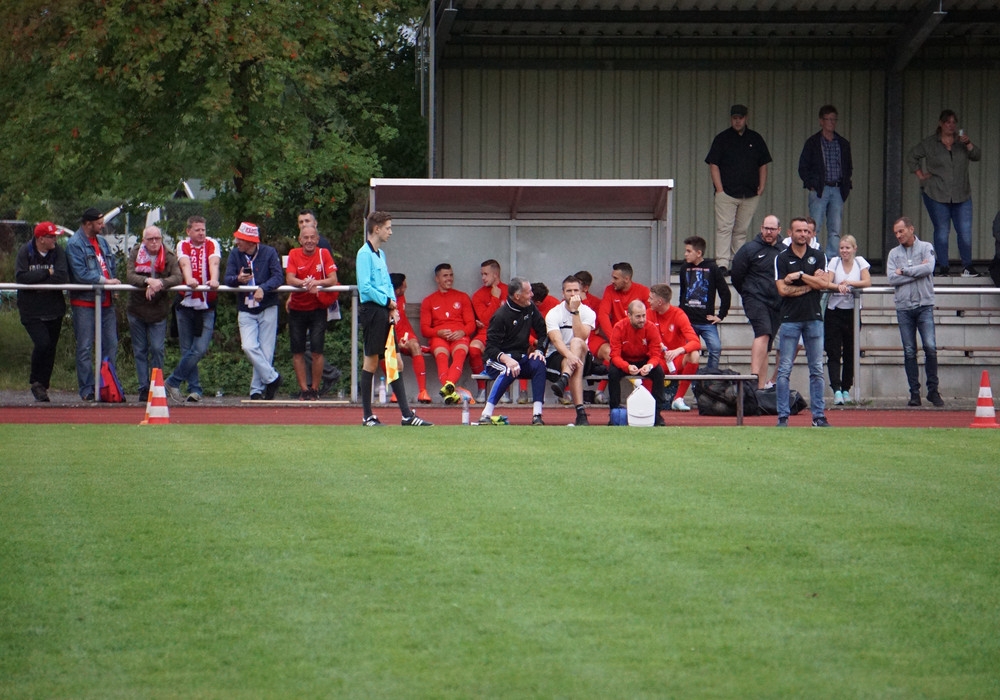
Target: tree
(269, 103)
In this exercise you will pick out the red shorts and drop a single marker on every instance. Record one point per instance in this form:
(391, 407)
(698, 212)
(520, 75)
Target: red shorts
(450, 347)
(594, 343)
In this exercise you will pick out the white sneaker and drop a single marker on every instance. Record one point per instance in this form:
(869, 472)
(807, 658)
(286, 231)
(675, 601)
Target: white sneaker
(600, 398)
(505, 399)
(768, 385)
(679, 405)
(481, 396)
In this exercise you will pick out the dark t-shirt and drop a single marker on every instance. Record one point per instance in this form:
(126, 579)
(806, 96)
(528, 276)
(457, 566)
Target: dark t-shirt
(739, 158)
(807, 306)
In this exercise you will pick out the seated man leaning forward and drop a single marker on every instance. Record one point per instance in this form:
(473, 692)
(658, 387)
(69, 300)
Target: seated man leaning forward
(681, 345)
(634, 341)
(507, 356)
(448, 323)
(569, 325)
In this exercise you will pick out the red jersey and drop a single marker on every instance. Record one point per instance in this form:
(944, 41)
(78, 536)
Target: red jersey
(404, 329)
(319, 266)
(451, 310)
(199, 258)
(675, 329)
(484, 304)
(614, 305)
(593, 301)
(635, 346)
(547, 304)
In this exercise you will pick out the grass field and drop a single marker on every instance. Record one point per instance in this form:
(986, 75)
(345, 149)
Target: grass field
(221, 561)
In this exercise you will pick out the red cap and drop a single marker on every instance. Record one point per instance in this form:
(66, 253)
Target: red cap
(47, 228)
(248, 232)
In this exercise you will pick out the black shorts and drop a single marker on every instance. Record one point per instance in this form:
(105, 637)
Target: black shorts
(764, 319)
(311, 322)
(374, 322)
(553, 365)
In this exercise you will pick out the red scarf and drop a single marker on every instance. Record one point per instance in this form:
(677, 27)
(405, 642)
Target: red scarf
(143, 261)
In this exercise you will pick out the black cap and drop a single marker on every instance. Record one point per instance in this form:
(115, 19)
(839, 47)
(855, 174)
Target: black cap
(738, 109)
(91, 215)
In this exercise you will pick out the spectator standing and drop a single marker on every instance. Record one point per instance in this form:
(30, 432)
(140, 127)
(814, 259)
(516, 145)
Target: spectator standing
(848, 272)
(42, 261)
(910, 268)
(681, 345)
(633, 340)
(254, 264)
(448, 323)
(700, 281)
(941, 164)
(800, 275)
(826, 168)
(198, 257)
(154, 269)
(737, 162)
(753, 277)
(91, 262)
(485, 302)
(377, 313)
(310, 268)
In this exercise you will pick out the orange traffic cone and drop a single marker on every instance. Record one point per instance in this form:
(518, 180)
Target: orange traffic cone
(986, 417)
(156, 407)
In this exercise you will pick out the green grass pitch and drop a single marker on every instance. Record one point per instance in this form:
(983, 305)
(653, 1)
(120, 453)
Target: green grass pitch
(228, 561)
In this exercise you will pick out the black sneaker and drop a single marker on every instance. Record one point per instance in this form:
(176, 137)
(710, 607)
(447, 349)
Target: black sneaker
(821, 422)
(914, 400)
(256, 396)
(144, 394)
(559, 386)
(537, 419)
(581, 419)
(89, 397)
(941, 271)
(271, 390)
(39, 392)
(935, 398)
(415, 421)
(371, 422)
(782, 423)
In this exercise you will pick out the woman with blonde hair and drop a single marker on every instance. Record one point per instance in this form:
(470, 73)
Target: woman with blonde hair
(848, 271)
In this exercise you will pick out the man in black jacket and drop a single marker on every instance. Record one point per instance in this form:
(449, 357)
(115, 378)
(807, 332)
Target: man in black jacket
(753, 277)
(506, 353)
(826, 168)
(42, 261)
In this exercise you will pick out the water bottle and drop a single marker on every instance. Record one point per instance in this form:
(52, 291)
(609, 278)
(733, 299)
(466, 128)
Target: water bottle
(465, 409)
(381, 390)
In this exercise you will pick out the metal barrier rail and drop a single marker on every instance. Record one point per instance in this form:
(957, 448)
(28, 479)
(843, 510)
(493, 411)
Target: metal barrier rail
(99, 290)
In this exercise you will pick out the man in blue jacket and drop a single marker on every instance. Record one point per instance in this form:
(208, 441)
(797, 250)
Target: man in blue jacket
(826, 168)
(91, 262)
(253, 264)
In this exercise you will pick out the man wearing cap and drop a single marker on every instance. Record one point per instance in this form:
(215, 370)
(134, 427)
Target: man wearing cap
(153, 269)
(737, 162)
(254, 264)
(42, 261)
(91, 262)
(198, 257)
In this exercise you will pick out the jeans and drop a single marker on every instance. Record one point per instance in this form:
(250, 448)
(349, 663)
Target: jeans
(709, 332)
(83, 329)
(147, 346)
(942, 216)
(829, 208)
(912, 321)
(44, 337)
(258, 334)
(194, 331)
(811, 333)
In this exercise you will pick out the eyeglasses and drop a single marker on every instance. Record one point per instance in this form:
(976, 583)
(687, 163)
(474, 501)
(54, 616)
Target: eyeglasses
(152, 238)
(769, 228)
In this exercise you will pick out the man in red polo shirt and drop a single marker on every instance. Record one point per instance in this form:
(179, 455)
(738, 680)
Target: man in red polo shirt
(447, 321)
(681, 344)
(636, 352)
(614, 307)
(485, 301)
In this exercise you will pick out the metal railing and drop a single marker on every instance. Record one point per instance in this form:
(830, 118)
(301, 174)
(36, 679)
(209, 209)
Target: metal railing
(100, 289)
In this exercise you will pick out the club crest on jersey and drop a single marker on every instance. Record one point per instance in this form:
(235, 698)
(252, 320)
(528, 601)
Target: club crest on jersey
(811, 260)
(456, 306)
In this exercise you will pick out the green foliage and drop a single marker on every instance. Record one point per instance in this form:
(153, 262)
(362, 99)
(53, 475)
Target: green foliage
(273, 105)
(258, 561)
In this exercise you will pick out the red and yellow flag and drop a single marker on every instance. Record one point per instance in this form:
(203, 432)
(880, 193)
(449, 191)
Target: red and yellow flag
(391, 358)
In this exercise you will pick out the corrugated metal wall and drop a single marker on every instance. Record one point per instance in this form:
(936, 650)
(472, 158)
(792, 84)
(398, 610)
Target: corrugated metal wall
(648, 122)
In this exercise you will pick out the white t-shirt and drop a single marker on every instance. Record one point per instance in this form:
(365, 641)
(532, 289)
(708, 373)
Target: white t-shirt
(836, 266)
(559, 318)
(813, 243)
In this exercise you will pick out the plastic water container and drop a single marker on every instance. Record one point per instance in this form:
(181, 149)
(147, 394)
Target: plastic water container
(641, 406)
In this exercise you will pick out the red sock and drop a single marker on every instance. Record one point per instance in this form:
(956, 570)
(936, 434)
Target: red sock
(476, 365)
(602, 385)
(441, 358)
(457, 363)
(682, 387)
(420, 369)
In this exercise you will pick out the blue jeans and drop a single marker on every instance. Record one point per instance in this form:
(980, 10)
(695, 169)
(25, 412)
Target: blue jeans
(829, 208)
(709, 332)
(258, 334)
(811, 333)
(147, 346)
(942, 216)
(912, 321)
(83, 329)
(194, 345)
